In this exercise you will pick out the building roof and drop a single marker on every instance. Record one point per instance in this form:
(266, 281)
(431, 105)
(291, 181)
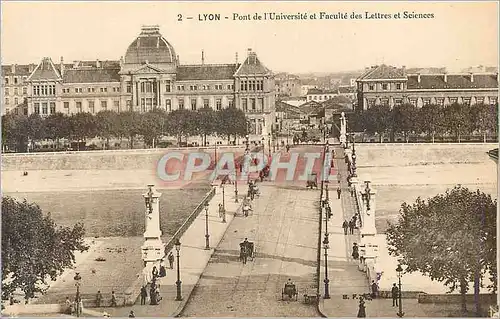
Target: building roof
(206, 72)
(45, 71)
(321, 91)
(431, 70)
(454, 81)
(107, 64)
(481, 69)
(252, 66)
(383, 72)
(347, 89)
(150, 46)
(92, 75)
(20, 69)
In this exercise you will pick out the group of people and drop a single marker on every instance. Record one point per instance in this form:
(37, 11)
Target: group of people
(350, 225)
(246, 250)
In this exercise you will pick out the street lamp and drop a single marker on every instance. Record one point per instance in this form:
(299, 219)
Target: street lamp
(77, 279)
(326, 281)
(263, 154)
(223, 204)
(207, 235)
(247, 149)
(215, 159)
(366, 196)
(178, 282)
(400, 313)
(269, 143)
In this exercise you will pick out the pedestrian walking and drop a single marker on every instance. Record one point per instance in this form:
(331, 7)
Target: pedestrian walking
(113, 299)
(171, 260)
(163, 271)
(355, 251)
(345, 225)
(395, 295)
(144, 295)
(157, 293)
(351, 227)
(69, 307)
(374, 287)
(154, 272)
(152, 295)
(361, 310)
(339, 191)
(98, 298)
(131, 314)
(352, 191)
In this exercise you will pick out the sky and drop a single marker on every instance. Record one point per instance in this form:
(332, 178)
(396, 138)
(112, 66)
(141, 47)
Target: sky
(460, 35)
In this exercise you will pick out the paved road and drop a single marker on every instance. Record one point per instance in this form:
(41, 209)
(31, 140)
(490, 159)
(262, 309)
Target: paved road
(284, 228)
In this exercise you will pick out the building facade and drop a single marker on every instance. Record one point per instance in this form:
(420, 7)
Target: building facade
(15, 87)
(149, 77)
(387, 85)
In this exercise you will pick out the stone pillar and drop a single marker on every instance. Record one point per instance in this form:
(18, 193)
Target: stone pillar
(343, 130)
(152, 249)
(368, 231)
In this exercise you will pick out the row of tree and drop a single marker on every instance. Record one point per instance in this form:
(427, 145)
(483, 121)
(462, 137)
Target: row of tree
(20, 130)
(454, 120)
(451, 238)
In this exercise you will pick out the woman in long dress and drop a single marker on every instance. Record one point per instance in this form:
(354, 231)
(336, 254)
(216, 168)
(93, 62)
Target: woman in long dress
(361, 310)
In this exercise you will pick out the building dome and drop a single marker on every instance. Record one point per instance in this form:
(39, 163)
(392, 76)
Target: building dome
(150, 47)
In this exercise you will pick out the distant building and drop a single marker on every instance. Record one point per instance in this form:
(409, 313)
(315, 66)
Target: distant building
(149, 77)
(15, 87)
(287, 85)
(394, 86)
(321, 95)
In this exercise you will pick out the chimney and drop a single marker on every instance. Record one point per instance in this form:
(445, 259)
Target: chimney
(202, 57)
(121, 61)
(472, 77)
(404, 69)
(31, 67)
(75, 64)
(61, 66)
(13, 68)
(97, 63)
(249, 51)
(178, 60)
(236, 58)
(445, 77)
(418, 78)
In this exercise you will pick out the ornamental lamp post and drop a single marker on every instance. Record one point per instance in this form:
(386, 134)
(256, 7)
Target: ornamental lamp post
(223, 204)
(207, 235)
(326, 281)
(269, 143)
(263, 154)
(178, 282)
(77, 279)
(247, 149)
(400, 314)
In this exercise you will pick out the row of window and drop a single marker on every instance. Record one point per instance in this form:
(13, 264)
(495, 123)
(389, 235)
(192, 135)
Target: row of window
(252, 102)
(92, 90)
(91, 106)
(194, 103)
(252, 85)
(16, 79)
(204, 87)
(438, 101)
(44, 109)
(45, 89)
(16, 91)
(16, 101)
(320, 97)
(385, 86)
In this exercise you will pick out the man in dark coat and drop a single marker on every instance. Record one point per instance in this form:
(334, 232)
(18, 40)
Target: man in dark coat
(345, 225)
(144, 295)
(374, 287)
(171, 260)
(351, 226)
(339, 191)
(395, 295)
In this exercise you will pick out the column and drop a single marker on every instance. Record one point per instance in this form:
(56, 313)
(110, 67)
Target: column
(152, 249)
(158, 85)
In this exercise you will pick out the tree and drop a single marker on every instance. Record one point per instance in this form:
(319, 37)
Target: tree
(430, 120)
(56, 126)
(458, 119)
(106, 122)
(82, 126)
(179, 123)
(378, 119)
(129, 123)
(206, 122)
(34, 248)
(231, 121)
(485, 119)
(450, 237)
(151, 126)
(404, 117)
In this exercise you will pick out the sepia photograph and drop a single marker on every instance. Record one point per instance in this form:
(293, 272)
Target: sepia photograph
(249, 159)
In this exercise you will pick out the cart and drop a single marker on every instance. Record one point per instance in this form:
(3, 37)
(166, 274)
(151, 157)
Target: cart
(312, 181)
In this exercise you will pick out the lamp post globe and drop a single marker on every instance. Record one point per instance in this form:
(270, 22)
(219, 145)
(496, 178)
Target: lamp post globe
(207, 235)
(178, 283)
(399, 270)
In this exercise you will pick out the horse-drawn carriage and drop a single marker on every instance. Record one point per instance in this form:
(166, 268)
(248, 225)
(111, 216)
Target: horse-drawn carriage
(290, 291)
(247, 250)
(312, 181)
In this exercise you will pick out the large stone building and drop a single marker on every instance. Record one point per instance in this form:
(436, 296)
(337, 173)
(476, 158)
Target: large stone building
(148, 77)
(394, 86)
